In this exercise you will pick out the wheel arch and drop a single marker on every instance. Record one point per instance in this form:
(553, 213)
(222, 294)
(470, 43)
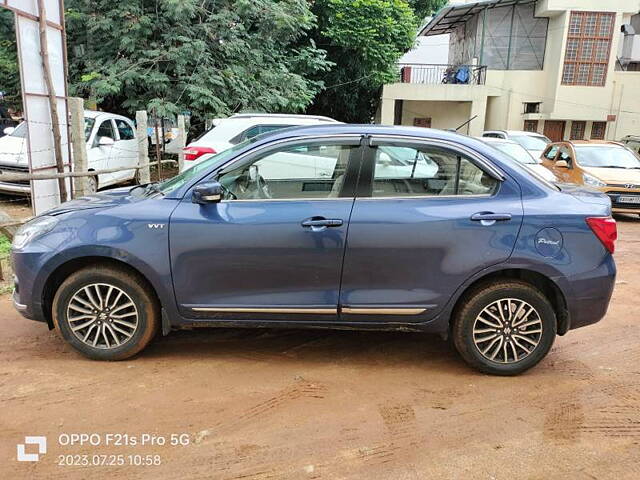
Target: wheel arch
(546, 285)
(65, 269)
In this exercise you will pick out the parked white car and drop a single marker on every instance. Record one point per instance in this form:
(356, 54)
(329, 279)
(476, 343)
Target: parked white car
(111, 143)
(518, 152)
(227, 132)
(533, 142)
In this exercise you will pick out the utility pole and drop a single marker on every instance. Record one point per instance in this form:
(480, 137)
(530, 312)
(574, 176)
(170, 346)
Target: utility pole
(79, 145)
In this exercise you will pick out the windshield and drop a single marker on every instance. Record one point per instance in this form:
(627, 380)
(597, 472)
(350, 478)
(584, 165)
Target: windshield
(516, 151)
(531, 142)
(207, 164)
(20, 131)
(606, 156)
(88, 126)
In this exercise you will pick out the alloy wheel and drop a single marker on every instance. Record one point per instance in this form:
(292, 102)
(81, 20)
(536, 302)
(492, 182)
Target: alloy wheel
(507, 330)
(102, 316)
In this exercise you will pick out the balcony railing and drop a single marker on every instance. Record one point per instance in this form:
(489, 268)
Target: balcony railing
(437, 74)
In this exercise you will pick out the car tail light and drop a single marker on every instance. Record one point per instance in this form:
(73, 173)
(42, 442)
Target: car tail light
(606, 231)
(191, 153)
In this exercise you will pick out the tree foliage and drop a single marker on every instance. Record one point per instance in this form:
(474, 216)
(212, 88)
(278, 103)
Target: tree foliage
(364, 39)
(9, 71)
(211, 57)
(424, 8)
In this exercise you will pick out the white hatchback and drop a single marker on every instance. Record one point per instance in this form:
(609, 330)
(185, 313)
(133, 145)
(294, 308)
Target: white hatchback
(111, 143)
(228, 132)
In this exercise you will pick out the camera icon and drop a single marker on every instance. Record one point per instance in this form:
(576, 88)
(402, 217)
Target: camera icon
(23, 456)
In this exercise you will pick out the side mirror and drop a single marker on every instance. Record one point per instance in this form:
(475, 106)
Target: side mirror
(562, 164)
(9, 130)
(207, 192)
(106, 142)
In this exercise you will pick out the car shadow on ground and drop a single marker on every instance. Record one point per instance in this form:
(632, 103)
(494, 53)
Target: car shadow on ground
(308, 346)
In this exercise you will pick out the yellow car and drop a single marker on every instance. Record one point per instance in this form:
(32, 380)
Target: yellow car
(606, 166)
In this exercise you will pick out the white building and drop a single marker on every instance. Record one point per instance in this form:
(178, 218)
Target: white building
(568, 69)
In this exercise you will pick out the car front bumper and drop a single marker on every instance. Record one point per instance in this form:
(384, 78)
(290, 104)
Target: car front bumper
(616, 192)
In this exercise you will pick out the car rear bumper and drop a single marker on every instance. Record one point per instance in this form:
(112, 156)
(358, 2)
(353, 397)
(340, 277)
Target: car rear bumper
(623, 207)
(596, 288)
(15, 188)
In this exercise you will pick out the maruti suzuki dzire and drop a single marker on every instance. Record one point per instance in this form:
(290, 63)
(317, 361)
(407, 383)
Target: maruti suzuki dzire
(331, 226)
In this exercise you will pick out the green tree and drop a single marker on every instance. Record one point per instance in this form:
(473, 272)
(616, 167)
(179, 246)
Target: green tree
(212, 57)
(425, 8)
(9, 71)
(364, 39)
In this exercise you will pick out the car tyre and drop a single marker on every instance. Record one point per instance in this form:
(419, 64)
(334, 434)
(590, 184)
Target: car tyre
(511, 321)
(91, 312)
(92, 184)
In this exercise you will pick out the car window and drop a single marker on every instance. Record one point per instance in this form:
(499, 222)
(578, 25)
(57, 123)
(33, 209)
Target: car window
(517, 151)
(565, 154)
(606, 156)
(428, 171)
(88, 127)
(531, 142)
(552, 152)
(633, 145)
(106, 130)
(307, 171)
(20, 131)
(255, 131)
(493, 135)
(125, 130)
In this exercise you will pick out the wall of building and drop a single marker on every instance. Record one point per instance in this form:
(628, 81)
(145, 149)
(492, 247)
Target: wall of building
(443, 114)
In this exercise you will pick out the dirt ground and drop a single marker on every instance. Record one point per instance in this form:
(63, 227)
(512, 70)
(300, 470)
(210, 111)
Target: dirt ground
(316, 404)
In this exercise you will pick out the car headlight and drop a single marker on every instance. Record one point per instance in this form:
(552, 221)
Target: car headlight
(32, 229)
(592, 181)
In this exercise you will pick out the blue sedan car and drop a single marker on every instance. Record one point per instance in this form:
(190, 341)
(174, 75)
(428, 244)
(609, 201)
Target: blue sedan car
(341, 226)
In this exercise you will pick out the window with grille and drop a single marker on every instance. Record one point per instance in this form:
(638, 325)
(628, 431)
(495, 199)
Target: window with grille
(598, 130)
(531, 125)
(577, 130)
(588, 47)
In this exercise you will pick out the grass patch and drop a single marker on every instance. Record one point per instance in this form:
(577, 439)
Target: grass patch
(5, 246)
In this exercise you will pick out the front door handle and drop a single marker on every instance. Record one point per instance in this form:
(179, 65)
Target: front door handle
(321, 222)
(489, 218)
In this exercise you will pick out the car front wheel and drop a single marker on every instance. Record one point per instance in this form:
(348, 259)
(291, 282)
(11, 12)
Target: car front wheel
(504, 328)
(106, 313)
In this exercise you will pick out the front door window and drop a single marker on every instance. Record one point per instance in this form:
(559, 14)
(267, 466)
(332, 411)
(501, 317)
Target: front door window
(312, 171)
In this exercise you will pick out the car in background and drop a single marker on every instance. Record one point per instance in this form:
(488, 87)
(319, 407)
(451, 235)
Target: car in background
(228, 132)
(632, 142)
(471, 246)
(518, 152)
(605, 166)
(533, 142)
(111, 143)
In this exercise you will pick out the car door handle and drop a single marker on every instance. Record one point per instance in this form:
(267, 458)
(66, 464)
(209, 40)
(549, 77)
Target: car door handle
(490, 218)
(321, 222)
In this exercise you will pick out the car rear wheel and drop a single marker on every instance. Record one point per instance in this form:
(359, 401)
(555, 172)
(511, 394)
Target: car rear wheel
(504, 328)
(106, 313)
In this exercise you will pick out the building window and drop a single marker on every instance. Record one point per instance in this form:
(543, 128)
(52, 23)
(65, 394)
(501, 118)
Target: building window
(577, 130)
(588, 48)
(532, 107)
(531, 125)
(598, 130)
(424, 122)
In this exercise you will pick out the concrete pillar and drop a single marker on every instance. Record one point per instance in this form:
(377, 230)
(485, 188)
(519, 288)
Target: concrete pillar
(387, 111)
(479, 108)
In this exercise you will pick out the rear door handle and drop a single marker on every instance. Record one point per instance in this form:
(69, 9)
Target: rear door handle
(319, 222)
(489, 218)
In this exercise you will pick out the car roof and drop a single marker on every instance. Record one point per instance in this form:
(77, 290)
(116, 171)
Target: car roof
(601, 143)
(272, 116)
(515, 132)
(95, 114)
(498, 140)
